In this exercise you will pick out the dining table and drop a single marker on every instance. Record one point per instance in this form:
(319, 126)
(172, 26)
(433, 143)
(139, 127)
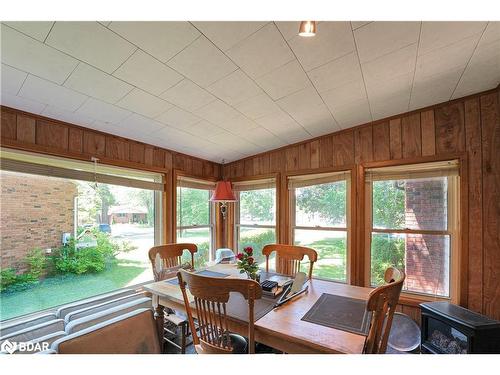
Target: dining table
(282, 327)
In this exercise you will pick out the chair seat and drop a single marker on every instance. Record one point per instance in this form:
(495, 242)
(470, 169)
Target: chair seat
(175, 319)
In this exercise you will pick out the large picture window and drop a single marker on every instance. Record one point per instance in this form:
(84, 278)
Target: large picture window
(319, 216)
(413, 224)
(71, 230)
(255, 215)
(195, 223)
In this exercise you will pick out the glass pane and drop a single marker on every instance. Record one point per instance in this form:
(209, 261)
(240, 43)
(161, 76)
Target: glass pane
(414, 204)
(193, 207)
(424, 258)
(45, 265)
(257, 238)
(331, 247)
(200, 237)
(446, 338)
(258, 207)
(321, 205)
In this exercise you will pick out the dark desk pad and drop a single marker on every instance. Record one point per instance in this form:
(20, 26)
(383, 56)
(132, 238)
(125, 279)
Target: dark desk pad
(175, 281)
(345, 313)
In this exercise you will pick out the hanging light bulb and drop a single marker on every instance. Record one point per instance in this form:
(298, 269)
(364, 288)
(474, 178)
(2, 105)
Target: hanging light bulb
(307, 28)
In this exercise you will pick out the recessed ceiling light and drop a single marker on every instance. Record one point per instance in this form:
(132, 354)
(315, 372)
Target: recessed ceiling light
(307, 28)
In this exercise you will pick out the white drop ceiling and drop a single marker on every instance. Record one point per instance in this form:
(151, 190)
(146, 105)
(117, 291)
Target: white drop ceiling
(226, 90)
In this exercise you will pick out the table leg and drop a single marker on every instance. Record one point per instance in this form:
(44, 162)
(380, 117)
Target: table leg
(160, 319)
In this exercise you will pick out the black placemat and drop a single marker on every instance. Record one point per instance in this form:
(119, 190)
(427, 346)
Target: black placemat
(175, 281)
(345, 313)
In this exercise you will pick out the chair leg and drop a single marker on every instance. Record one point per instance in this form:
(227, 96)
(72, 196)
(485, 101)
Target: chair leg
(183, 338)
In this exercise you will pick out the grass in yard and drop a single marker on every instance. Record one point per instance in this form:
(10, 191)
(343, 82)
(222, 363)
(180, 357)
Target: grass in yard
(328, 249)
(58, 290)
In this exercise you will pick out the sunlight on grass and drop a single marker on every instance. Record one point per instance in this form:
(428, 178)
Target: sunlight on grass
(58, 290)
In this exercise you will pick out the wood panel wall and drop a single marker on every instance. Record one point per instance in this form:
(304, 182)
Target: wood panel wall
(467, 128)
(28, 132)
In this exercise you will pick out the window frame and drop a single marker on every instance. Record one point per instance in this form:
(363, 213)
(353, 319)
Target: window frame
(178, 176)
(238, 225)
(454, 231)
(347, 229)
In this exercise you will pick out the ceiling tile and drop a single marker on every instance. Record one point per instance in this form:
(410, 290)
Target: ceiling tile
(389, 105)
(392, 64)
(91, 42)
(292, 134)
(147, 73)
(318, 122)
(204, 129)
(262, 138)
(483, 71)
(353, 113)
(188, 95)
(444, 59)
(178, 118)
(235, 88)
(31, 56)
(217, 112)
(227, 34)
(22, 104)
(67, 116)
(357, 24)
(434, 89)
(11, 79)
(93, 82)
(38, 89)
(143, 103)
(258, 106)
(162, 39)
(238, 124)
(288, 29)
(261, 52)
(332, 40)
(284, 80)
(345, 94)
(231, 141)
(336, 73)
(36, 29)
(380, 88)
(491, 34)
(437, 35)
(140, 124)
(379, 38)
(202, 62)
(278, 122)
(105, 112)
(104, 127)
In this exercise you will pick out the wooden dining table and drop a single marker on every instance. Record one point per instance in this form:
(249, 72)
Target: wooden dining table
(281, 328)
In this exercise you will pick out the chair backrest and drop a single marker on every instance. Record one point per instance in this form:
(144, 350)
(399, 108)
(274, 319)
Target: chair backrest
(391, 275)
(211, 295)
(382, 303)
(131, 333)
(170, 256)
(288, 258)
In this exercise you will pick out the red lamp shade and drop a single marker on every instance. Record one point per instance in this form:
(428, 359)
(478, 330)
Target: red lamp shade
(223, 192)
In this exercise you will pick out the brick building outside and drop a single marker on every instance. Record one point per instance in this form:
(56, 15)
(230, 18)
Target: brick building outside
(427, 255)
(35, 212)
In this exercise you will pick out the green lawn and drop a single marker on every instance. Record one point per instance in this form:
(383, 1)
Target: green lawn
(63, 289)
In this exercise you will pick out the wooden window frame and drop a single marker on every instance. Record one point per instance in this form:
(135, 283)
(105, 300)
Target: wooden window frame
(456, 211)
(347, 229)
(213, 212)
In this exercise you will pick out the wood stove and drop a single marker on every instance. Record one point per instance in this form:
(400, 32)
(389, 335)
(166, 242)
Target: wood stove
(451, 329)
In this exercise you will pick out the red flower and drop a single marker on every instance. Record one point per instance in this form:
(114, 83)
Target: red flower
(250, 260)
(239, 256)
(248, 250)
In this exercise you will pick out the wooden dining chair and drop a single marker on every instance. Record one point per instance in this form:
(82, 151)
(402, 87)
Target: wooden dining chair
(382, 302)
(211, 295)
(288, 258)
(166, 261)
